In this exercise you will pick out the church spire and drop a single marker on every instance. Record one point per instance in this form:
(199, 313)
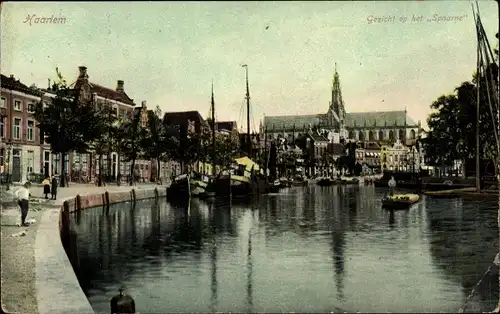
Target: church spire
(337, 103)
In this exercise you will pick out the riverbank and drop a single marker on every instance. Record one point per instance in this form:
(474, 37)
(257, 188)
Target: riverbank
(36, 274)
(465, 193)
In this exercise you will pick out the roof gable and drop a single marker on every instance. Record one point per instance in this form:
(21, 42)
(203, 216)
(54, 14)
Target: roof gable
(111, 94)
(226, 125)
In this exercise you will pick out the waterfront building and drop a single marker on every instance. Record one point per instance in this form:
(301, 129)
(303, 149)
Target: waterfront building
(20, 151)
(321, 153)
(395, 157)
(368, 155)
(228, 127)
(384, 127)
(84, 167)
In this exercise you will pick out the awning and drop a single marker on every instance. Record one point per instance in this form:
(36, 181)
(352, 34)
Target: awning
(248, 163)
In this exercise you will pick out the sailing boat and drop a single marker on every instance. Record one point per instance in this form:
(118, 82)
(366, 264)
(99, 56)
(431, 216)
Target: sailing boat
(219, 185)
(485, 59)
(244, 182)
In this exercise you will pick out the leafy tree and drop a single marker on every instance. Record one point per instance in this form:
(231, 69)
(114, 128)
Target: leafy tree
(129, 145)
(106, 142)
(225, 148)
(159, 140)
(452, 134)
(190, 147)
(68, 124)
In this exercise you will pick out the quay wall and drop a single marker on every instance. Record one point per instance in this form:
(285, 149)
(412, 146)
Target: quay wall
(57, 286)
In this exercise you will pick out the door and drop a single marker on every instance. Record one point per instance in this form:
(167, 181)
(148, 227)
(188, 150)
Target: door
(16, 166)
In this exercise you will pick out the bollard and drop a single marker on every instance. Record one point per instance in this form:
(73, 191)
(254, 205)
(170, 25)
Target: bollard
(122, 303)
(106, 203)
(133, 195)
(78, 202)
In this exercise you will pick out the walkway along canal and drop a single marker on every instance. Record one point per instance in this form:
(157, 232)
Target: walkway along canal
(308, 249)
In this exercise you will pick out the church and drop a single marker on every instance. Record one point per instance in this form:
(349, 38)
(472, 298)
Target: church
(383, 127)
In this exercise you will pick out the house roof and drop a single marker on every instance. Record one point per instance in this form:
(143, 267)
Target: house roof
(318, 138)
(372, 146)
(104, 92)
(226, 125)
(9, 82)
(111, 94)
(336, 148)
(182, 117)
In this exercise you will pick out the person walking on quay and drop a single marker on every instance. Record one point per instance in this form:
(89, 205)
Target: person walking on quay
(46, 186)
(53, 188)
(392, 185)
(23, 196)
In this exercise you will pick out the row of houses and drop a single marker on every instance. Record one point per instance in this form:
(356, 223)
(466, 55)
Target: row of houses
(320, 149)
(25, 154)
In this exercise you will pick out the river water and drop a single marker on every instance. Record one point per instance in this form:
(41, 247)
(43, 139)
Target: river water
(308, 249)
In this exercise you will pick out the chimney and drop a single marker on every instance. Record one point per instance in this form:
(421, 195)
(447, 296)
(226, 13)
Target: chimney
(119, 86)
(144, 104)
(83, 72)
(12, 76)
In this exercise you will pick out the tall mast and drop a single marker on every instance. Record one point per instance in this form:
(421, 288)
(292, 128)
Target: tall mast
(266, 152)
(478, 73)
(213, 129)
(249, 145)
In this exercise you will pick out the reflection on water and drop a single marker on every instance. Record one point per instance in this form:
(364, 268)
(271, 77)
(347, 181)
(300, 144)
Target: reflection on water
(308, 249)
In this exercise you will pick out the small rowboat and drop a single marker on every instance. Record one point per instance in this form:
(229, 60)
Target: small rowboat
(275, 187)
(325, 182)
(400, 201)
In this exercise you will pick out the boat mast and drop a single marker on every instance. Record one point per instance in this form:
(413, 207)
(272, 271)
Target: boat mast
(249, 145)
(478, 73)
(213, 129)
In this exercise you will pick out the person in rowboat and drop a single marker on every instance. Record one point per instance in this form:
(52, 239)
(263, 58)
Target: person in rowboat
(392, 185)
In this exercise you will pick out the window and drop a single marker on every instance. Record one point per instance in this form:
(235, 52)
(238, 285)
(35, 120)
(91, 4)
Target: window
(17, 128)
(2, 102)
(30, 161)
(17, 105)
(46, 163)
(31, 131)
(2, 154)
(2, 132)
(66, 163)
(31, 108)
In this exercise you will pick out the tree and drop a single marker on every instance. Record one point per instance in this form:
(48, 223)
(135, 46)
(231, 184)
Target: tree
(452, 134)
(159, 140)
(68, 124)
(129, 143)
(106, 142)
(224, 152)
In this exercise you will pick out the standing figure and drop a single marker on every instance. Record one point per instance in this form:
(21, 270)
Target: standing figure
(53, 188)
(392, 185)
(23, 196)
(46, 186)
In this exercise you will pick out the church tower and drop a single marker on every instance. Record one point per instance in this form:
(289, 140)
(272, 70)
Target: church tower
(337, 104)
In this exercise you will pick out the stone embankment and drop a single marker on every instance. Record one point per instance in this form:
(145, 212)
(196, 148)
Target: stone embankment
(37, 276)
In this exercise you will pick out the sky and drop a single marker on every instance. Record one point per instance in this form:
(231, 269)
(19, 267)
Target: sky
(389, 55)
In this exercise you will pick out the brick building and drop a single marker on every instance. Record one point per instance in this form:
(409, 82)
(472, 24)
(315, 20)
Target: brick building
(85, 167)
(20, 151)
